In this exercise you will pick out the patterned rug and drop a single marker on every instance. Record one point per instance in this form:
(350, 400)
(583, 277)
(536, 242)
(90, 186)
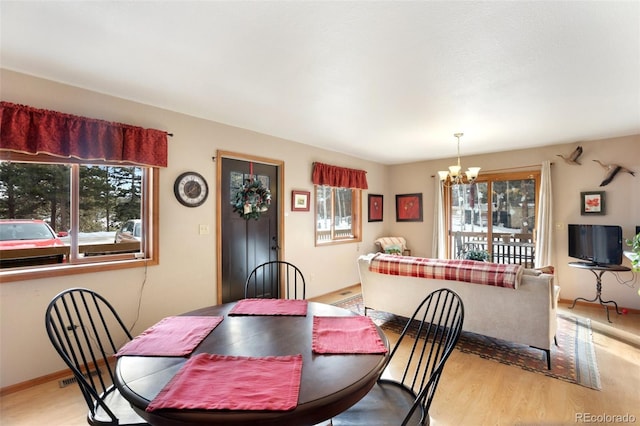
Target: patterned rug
(573, 360)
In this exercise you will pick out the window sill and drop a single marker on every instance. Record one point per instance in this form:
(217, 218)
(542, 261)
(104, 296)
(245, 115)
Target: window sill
(14, 275)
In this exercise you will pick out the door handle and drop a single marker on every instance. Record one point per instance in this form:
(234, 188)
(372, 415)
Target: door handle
(275, 245)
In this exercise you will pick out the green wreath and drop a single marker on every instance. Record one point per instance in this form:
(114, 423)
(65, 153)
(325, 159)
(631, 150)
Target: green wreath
(252, 200)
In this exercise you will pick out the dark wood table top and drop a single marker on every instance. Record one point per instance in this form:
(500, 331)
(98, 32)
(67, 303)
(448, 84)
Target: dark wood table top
(329, 385)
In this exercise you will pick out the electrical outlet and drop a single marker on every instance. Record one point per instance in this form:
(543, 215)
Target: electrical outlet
(204, 230)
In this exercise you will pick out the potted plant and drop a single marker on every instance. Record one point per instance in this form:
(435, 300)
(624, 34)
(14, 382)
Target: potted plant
(480, 255)
(634, 243)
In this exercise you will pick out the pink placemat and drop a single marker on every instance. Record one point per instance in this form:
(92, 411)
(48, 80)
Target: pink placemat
(346, 335)
(171, 336)
(270, 307)
(222, 382)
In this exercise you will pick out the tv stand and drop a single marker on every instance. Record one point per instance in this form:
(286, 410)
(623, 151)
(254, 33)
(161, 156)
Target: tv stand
(598, 271)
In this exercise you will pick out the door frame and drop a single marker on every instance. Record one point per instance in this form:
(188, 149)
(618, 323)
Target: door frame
(220, 154)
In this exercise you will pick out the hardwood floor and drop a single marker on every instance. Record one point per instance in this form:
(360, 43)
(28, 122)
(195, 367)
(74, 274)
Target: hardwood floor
(472, 391)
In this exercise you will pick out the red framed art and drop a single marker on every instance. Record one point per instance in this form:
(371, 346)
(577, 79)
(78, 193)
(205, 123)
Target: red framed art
(375, 207)
(409, 207)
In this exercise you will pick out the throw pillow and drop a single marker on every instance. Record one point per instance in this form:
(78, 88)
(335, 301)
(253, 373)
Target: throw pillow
(393, 249)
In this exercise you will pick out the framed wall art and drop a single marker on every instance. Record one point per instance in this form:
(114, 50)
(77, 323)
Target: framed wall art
(409, 207)
(592, 203)
(300, 201)
(375, 208)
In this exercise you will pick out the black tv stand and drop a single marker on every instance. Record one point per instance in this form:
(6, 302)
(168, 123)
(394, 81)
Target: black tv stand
(598, 271)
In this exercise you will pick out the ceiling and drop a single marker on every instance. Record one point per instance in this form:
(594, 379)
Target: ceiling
(388, 81)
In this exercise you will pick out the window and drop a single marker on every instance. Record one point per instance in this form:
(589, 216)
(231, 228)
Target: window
(337, 214)
(496, 215)
(100, 216)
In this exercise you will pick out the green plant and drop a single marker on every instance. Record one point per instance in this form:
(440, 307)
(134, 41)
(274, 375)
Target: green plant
(481, 255)
(634, 243)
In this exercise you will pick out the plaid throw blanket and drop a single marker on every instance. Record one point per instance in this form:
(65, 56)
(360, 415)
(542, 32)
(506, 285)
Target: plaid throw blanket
(495, 274)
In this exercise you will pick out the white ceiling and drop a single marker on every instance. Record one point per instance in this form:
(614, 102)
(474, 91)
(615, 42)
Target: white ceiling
(389, 81)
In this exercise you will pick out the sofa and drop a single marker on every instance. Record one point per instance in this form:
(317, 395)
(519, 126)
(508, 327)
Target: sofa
(525, 313)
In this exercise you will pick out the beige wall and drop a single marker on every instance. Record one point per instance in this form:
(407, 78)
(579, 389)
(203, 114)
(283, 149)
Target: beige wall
(185, 279)
(622, 199)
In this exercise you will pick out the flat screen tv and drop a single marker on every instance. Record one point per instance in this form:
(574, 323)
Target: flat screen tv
(598, 245)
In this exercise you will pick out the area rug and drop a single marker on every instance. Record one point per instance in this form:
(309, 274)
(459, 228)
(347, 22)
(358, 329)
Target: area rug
(573, 360)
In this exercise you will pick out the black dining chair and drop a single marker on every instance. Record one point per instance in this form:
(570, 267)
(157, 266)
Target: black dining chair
(426, 341)
(86, 331)
(267, 280)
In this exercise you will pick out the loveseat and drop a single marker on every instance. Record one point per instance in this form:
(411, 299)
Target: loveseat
(524, 314)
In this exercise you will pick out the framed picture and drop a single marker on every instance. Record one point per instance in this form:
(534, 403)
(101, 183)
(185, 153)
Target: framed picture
(592, 203)
(300, 201)
(409, 207)
(375, 207)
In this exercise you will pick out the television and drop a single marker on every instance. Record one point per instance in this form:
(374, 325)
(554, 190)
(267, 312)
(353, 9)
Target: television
(597, 245)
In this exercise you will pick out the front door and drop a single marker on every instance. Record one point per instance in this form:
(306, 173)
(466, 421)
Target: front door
(245, 243)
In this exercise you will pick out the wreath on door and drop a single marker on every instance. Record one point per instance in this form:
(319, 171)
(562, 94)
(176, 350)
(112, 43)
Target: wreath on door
(252, 200)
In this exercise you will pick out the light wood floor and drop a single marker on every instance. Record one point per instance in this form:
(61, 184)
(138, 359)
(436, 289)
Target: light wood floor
(472, 391)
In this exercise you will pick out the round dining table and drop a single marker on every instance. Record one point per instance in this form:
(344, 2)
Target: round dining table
(329, 384)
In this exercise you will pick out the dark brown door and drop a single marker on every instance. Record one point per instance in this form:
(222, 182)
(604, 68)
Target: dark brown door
(245, 243)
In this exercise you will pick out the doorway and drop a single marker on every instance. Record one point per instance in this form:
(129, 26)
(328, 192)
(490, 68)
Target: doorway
(243, 243)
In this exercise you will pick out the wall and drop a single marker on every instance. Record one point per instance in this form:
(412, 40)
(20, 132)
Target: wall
(185, 279)
(622, 199)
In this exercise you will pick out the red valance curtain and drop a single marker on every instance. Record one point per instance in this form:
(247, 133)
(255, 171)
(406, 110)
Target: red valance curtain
(32, 131)
(340, 177)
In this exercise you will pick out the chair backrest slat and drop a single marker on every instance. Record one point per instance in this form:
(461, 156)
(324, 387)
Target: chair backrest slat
(267, 280)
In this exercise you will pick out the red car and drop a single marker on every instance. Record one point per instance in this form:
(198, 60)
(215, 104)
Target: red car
(28, 234)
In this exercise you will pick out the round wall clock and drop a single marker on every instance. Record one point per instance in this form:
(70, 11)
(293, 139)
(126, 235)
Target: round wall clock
(191, 189)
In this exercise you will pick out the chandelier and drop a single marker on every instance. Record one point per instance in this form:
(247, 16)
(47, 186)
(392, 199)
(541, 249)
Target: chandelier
(454, 175)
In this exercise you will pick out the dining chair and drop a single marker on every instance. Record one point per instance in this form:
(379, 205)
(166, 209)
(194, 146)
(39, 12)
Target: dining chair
(86, 331)
(404, 392)
(267, 280)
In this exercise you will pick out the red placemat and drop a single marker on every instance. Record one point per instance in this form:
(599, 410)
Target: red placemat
(270, 307)
(171, 336)
(222, 382)
(346, 335)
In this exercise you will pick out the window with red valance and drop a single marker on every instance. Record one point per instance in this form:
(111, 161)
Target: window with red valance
(93, 182)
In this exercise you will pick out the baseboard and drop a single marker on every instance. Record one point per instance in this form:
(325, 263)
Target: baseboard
(62, 374)
(597, 305)
(34, 382)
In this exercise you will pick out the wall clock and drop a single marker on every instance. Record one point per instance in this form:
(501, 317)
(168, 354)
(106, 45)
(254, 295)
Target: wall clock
(191, 189)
